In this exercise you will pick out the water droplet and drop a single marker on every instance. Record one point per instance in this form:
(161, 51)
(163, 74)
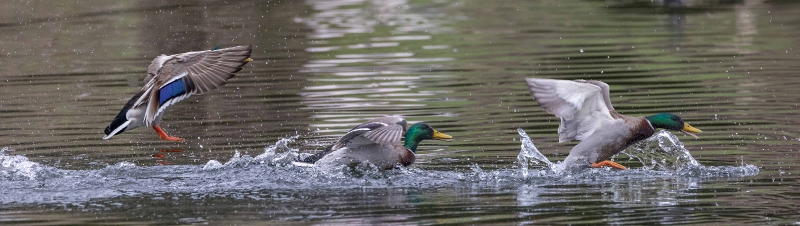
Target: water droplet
(581, 50)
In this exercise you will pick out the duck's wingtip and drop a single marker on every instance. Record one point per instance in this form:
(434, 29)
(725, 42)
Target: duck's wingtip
(535, 83)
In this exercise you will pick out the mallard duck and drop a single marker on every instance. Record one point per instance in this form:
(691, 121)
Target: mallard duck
(173, 78)
(378, 142)
(587, 115)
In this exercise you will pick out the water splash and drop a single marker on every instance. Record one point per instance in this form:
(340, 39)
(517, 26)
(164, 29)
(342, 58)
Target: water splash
(529, 155)
(19, 167)
(24, 181)
(278, 154)
(662, 151)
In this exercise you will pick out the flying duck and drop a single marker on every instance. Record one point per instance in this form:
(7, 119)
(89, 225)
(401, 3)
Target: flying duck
(173, 78)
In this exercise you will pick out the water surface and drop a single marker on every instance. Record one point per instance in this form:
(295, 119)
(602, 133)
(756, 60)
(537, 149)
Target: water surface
(322, 67)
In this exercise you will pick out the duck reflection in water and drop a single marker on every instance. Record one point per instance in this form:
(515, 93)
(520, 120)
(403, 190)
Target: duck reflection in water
(163, 154)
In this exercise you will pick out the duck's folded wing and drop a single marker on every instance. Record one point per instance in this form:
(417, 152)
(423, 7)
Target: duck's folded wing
(582, 106)
(182, 75)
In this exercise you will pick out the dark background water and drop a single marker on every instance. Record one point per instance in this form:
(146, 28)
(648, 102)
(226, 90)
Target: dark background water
(727, 67)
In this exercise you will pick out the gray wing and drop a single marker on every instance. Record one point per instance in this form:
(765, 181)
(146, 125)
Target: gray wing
(186, 74)
(208, 70)
(582, 106)
(392, 120)
(384, 131)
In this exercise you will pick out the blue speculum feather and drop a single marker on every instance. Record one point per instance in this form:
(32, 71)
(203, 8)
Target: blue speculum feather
(171, 90)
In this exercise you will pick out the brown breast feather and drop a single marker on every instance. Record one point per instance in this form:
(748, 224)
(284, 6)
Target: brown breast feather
(640, 130)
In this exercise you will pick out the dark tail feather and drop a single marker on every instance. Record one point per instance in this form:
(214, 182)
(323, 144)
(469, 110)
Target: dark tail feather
(316, 157)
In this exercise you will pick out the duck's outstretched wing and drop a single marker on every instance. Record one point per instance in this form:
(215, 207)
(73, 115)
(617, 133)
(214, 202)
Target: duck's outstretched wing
(174, 78)
(605, 90)
(385, 131)
(582, 105)
(390, 134)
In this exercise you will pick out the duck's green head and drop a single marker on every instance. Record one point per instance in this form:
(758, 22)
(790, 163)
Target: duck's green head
(421, 131)
(672, 122)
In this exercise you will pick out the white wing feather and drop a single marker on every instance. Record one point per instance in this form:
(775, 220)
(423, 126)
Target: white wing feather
(580, 105)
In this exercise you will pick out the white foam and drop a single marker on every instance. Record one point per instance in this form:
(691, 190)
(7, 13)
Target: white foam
(14, 166)
(279, 154)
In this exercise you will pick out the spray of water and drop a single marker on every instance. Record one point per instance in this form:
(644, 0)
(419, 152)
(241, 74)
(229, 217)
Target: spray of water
(529, 155)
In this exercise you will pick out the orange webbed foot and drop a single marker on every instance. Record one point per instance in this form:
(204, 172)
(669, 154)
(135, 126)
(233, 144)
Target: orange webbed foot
(163, 135)
(608, 163)
(171, 138)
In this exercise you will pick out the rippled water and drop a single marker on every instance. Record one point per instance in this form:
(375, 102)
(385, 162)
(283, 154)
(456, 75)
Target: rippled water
(321, 67)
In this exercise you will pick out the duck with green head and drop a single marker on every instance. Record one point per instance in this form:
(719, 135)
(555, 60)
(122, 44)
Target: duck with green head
(587, 115)
(377, 142)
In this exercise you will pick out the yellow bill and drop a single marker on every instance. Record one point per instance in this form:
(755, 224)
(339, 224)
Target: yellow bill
(690, 130)
(248, 59)
(441, 136)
